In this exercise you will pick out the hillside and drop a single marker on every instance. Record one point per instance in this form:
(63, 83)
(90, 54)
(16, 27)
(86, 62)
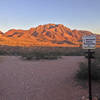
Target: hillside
(44, 35)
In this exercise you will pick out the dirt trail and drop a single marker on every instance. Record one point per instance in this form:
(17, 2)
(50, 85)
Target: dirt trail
(39, 80)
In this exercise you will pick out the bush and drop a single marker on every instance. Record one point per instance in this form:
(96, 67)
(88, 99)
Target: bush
(62, 51)
(2, 52)
(82, 73)
(40, 55)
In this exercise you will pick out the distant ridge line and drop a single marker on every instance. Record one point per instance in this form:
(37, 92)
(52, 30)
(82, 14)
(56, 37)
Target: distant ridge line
(45, 35)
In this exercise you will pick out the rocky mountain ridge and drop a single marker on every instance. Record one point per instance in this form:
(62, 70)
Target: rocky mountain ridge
(43, 35)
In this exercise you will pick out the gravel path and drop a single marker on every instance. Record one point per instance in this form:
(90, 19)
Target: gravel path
(39, 80)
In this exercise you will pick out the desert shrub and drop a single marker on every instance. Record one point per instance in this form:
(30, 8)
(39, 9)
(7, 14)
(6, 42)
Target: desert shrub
(82, 73)
(40, 55)
(62, 51)
(1, 53)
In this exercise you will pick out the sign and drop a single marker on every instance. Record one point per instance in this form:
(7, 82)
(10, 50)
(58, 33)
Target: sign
(89, 42)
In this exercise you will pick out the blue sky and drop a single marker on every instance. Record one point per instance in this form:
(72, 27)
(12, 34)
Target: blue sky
(75, 14)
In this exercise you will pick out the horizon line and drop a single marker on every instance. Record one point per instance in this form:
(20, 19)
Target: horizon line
(4, 31)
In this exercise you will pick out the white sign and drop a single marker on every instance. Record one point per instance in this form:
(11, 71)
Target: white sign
(89, 42)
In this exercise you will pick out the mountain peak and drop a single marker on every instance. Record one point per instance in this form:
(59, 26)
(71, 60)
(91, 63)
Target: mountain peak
(45, 35)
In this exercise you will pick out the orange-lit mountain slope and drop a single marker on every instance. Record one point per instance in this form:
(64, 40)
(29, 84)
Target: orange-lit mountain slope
(44, 35)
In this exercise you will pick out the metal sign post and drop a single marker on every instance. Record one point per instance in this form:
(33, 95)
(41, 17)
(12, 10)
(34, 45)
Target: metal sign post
(89, 42)
(89, 74)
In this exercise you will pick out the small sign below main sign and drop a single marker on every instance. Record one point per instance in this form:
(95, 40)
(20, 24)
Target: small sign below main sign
(89, 42)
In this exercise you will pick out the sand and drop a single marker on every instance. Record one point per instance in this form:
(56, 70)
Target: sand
(40, 80)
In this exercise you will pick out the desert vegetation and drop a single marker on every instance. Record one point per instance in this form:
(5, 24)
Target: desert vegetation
(30, 53)
(37, 52)
(82, 73)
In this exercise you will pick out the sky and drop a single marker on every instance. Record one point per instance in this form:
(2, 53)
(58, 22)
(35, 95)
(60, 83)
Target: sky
(74, 14)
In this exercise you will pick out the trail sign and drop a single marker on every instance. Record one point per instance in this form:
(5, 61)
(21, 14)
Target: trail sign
(89, 42)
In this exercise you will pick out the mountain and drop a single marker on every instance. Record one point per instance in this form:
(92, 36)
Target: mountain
(44, 35)
(1, 33)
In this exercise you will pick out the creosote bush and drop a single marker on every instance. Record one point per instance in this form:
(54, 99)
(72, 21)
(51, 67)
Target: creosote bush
(82, 73)
(40, 55)
(18, 51)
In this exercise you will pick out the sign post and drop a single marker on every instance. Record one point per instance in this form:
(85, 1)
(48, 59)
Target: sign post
(89, 74)
(89, 42)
